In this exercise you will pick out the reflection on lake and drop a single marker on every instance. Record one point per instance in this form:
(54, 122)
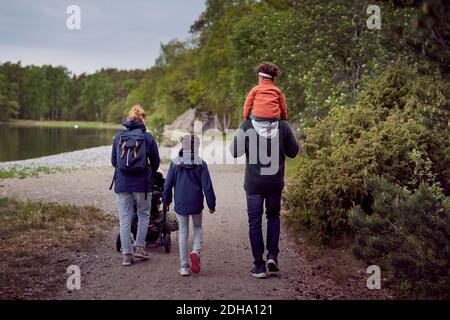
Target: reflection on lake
(22, 142)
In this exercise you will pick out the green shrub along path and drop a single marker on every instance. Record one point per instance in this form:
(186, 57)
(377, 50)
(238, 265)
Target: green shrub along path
(377, 175)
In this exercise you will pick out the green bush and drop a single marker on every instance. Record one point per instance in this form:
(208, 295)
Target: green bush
(156, 124)
(401, 111)
(378, 174)
(407, 234)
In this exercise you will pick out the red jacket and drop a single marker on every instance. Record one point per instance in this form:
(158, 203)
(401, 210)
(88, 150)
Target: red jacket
(265, 101)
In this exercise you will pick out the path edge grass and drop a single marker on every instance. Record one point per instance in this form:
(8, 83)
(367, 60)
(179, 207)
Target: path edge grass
(39, 240)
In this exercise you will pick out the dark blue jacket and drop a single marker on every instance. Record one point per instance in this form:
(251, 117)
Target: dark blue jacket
(135, 181)
(190, 182)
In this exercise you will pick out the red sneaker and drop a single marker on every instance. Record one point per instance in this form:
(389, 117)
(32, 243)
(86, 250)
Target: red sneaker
(195, 262)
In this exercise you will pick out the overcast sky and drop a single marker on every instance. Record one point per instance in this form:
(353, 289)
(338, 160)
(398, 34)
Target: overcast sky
(114, 33)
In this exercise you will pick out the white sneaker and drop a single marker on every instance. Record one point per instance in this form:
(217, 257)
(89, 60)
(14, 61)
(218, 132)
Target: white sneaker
(184, 271)
(127, 260)
(272, 265)
(141, 253)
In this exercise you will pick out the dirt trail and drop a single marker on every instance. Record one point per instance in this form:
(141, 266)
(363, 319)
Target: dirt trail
(226, 257)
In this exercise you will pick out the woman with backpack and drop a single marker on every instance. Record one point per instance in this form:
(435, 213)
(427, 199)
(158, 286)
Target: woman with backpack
(135, 157)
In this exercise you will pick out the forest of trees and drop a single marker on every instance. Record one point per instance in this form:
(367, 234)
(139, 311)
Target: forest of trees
(52, 93)
(324, 48)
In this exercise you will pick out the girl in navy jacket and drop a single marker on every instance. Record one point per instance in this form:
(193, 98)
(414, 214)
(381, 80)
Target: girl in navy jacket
(189, 176)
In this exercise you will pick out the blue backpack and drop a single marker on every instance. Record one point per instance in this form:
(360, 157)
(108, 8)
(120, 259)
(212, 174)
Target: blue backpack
(131, 151)
(131, 154)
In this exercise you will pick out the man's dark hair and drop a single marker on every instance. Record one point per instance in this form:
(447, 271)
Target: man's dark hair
(269, 68)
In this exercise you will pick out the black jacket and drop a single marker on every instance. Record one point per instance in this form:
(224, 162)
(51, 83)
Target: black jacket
(265, 145)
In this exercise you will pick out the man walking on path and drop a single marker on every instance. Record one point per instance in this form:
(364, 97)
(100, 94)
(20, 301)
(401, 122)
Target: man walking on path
(265, 145)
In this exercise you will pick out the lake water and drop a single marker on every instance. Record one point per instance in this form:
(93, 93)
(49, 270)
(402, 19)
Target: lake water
(26, 142)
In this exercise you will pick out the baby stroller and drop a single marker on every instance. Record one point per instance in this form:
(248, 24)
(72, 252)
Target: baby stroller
(158, 233)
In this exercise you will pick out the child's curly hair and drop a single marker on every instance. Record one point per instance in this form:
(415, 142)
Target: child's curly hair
(269, 68)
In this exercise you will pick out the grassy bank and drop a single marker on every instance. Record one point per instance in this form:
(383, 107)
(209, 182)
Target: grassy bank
(38, 242)
(66, 124)
(22, 173)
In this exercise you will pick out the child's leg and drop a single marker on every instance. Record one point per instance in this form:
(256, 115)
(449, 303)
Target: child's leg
(197, 221)
(183, 235)
(194, 256)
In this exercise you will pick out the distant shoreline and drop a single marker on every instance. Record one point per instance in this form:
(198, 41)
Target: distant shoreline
(64, 124)
(90, 157)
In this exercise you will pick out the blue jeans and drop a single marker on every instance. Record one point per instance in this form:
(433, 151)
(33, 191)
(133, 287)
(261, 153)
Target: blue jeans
(255, 208)
(125, 204)
(183, 236)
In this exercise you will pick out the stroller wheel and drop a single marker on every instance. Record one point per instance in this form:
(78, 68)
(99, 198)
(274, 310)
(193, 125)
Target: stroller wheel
(118, 243)
(167, 242)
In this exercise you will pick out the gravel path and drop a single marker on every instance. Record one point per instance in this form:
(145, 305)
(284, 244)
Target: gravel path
(226, 256)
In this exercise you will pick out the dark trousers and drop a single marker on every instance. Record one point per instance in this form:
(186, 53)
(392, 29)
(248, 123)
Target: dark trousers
(255, 209)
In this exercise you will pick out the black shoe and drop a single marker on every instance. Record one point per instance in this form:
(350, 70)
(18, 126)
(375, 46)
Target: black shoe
(259, 272)
(272, 265)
